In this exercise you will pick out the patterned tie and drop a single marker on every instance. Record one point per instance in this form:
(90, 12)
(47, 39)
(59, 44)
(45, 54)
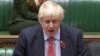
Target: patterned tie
(51, 51)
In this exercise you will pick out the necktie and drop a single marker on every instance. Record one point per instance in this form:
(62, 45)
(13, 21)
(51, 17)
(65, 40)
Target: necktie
(51, 51)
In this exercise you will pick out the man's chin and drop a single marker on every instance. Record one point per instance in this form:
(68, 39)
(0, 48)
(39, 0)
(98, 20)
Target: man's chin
(51, 34)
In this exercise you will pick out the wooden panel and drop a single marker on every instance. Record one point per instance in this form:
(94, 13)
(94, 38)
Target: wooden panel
(10, 40)
(90, 38)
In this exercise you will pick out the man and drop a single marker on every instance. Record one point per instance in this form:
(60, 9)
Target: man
(50, 38)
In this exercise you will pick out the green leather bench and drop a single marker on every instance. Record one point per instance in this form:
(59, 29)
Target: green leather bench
(78, 13)
(6, 7)
(84, 14)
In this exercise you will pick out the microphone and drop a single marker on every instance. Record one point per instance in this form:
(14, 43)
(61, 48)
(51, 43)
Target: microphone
(63, 45)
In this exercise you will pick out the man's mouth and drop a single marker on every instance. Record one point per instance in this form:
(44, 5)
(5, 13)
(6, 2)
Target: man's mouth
(51, 30)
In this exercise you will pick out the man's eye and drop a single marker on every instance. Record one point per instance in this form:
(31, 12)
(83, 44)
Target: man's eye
(54, 21)
(47, 21)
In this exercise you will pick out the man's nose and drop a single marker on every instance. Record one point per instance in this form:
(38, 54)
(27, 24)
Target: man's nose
(51, 25)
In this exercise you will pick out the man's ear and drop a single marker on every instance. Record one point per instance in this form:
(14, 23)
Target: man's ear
(39, 21)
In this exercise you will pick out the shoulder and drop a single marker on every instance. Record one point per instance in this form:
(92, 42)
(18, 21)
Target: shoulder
(70, 29)
(72, 32)
(31, 31)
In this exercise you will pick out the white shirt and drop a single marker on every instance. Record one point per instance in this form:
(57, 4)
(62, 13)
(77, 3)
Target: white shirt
(56, 43)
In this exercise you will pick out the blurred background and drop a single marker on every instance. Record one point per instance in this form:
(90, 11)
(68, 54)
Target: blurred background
(83, 14)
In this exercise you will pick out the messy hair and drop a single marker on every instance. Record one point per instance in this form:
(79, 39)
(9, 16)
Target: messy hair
(51, 8)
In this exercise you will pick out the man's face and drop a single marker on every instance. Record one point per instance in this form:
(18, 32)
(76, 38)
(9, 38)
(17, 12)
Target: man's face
(50, 25)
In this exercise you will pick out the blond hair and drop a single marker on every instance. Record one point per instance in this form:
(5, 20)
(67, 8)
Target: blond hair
(51, 8)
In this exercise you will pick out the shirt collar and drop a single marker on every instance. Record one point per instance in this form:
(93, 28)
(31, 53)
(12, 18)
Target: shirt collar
(57, 35)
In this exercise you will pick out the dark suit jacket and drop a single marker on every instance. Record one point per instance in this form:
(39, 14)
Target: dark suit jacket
(31, 42)
(93, 49)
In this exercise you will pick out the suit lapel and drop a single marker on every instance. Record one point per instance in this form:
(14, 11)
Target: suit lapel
(38, 48)
(65, 51)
